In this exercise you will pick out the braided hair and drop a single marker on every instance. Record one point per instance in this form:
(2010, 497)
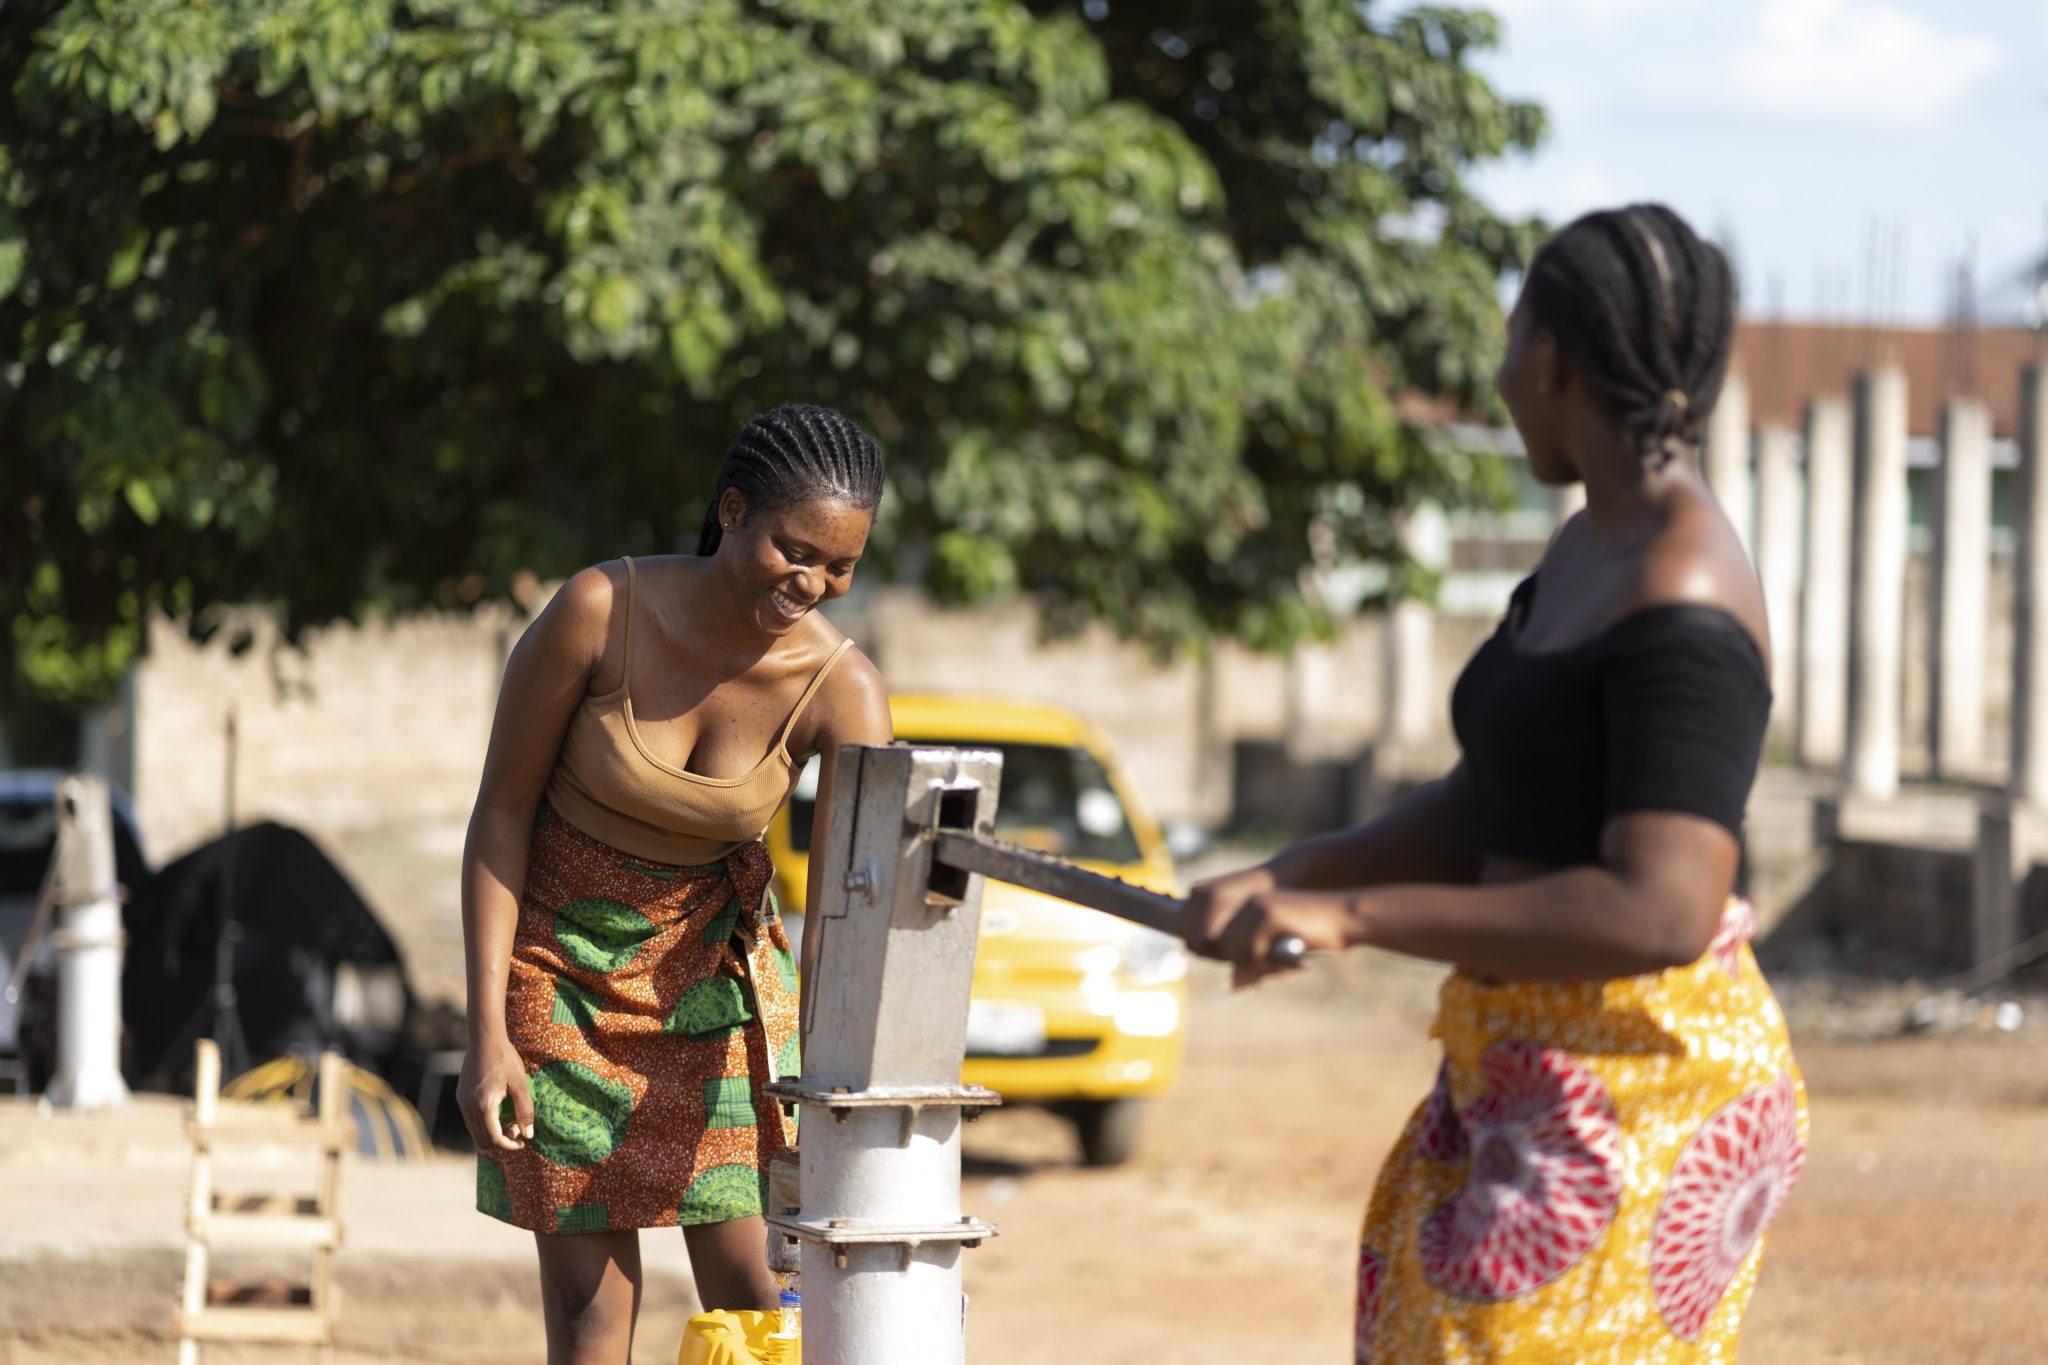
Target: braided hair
(795, 453)
(1647, 310)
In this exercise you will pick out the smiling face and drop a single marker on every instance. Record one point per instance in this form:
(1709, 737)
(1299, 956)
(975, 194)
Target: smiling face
(781, 563)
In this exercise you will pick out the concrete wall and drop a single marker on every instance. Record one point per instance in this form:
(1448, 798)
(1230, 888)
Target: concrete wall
(383, 726)
(386, 723)
(371, 740)
(1152, 713)
(1323, 704)
(370, 725)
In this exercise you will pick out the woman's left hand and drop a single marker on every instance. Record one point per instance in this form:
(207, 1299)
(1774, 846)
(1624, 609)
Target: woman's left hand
(1241, 930)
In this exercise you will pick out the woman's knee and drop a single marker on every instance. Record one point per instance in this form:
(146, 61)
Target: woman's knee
(590, 1290)
(737, 1286)
(730, 1262)
(589, 1308)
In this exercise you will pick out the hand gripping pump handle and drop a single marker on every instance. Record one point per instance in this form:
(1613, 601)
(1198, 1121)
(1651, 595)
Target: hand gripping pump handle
(1042, 872)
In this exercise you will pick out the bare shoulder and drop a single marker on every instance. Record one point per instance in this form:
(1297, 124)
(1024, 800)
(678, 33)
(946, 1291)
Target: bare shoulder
(576, 623)
(852, 706)
(587, 600)
(855, 683)
(589, 593)
(1698, 560)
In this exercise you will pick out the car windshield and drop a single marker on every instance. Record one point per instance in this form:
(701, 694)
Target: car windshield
(1054, 798)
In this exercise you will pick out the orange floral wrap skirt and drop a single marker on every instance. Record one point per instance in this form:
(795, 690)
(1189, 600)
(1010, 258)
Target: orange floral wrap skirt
(651, 1003)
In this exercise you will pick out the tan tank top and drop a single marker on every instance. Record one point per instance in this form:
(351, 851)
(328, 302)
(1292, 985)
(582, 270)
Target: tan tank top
(607, 785)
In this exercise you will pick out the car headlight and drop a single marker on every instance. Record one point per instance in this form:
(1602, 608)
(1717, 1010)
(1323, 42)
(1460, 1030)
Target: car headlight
(1101, 960)
(1151, 958)
(1148, 1014)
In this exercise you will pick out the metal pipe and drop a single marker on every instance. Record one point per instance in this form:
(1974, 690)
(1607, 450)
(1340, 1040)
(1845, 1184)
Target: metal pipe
(1035, 871)
(885, 1025)
(884, 1036)
(895, 1279)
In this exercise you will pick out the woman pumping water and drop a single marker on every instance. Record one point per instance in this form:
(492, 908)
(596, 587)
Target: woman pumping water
(1618, 1116)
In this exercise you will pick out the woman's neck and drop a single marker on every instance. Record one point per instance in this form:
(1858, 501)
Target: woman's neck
(1627, 494)
(714, 621)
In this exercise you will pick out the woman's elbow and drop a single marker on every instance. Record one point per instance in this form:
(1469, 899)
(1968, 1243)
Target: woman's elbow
(1678, 934)
(496, 824)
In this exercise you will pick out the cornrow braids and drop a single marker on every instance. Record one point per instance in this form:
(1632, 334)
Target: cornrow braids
(1647, 310)
(795, 453)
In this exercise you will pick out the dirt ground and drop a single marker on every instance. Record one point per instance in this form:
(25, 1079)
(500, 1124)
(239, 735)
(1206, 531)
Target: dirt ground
(1914, 1235)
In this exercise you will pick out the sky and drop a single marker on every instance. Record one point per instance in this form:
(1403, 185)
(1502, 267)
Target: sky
(1849, 148)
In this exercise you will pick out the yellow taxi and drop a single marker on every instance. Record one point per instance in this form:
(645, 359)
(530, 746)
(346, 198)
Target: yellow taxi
(1072, 1009)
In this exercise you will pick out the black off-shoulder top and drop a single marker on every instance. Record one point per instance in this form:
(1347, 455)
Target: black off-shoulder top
(1663, 711)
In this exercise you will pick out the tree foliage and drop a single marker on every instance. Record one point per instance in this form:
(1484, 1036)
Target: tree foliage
(343, 304)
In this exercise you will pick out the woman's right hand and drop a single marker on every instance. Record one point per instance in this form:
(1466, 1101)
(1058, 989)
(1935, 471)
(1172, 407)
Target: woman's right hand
(492, 1072)
(1212, 905)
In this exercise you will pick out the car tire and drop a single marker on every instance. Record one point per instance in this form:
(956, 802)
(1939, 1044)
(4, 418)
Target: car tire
(1108, 1130)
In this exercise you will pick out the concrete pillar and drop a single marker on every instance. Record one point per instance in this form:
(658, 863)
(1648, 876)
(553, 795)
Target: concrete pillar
(1780, 537)
(1411, 672)
(1877, 579)
(1571, 500)
(1212, 744)
(1961, 584)
(2029, 779)
(1315, 697)
(106, 737)
(1998, 871)
(1415, 707)
(1824, 602)
(1727, 456)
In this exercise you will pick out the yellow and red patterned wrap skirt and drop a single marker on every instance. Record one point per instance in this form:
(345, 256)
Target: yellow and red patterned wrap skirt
(651, 1003)
(1591, 1179)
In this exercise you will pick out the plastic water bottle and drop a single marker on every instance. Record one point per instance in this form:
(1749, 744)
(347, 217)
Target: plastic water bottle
(784, 1345)
(790, 1315)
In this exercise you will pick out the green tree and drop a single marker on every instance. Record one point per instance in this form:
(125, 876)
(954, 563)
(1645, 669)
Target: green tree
(355, 304)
